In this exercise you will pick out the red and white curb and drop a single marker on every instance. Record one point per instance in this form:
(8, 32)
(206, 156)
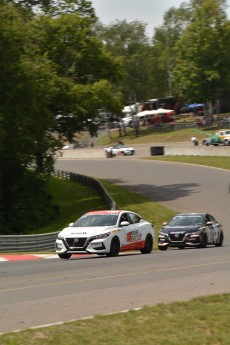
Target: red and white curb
(32, 257)
(26, 257)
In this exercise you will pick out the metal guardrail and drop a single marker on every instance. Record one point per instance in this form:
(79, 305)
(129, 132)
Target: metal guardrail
(46, 242)
(28, 243)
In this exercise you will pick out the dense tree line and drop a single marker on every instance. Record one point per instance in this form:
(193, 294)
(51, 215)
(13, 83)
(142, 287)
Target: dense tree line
(57, 58)
(50, 63)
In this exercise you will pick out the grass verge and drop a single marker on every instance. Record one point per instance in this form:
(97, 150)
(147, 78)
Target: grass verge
(203, 320)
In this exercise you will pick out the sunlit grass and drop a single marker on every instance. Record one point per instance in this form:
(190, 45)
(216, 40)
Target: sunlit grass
(203, 320)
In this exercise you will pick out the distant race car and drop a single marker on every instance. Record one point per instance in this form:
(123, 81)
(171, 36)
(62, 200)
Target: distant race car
(106, 233)
(191, 230)
(120, 149)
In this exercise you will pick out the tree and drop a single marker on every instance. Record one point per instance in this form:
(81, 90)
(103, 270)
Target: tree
(202, 54)
(49, 64)
(27, 86)
(129, 43)
(81, 62)
(163, 52)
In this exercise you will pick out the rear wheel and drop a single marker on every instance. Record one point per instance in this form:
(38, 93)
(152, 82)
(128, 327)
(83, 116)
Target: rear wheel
(148, 245)
(221, 239)
(64, 256)
(114, 247)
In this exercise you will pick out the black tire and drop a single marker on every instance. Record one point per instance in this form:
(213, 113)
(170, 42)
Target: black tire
(181, 247)
(114, 247)
(148, 245)
(204, 241)
(221, 240)
(162, 248)
(64, 256)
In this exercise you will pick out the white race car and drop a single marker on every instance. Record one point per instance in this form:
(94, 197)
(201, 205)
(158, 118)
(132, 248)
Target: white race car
(106, 233)
(120, 149)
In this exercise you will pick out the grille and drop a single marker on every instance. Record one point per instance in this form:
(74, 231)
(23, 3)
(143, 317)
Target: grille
(176, 237)
(80, 244)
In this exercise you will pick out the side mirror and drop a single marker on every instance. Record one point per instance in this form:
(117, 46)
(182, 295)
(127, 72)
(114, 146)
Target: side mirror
(209, 223)
(70, 224)
(165, 223)
(124, 223)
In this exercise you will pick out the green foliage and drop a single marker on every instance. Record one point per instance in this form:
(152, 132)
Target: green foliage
(72, 199)
(202, 69)
(45, 62)
(129, 43)
(59, 60)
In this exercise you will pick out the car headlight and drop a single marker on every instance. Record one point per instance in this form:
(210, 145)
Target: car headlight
(60, 237)
(194, 234)
(101, 236)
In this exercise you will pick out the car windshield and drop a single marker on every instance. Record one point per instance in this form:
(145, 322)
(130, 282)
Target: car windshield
(186, 221)
(96, 220)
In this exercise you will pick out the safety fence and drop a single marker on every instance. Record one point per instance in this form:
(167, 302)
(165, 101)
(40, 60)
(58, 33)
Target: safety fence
(46, 242)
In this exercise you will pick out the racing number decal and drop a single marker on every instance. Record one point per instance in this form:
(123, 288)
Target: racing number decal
(133, 236)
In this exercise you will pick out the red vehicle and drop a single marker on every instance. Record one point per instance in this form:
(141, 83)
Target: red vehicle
(157, 116)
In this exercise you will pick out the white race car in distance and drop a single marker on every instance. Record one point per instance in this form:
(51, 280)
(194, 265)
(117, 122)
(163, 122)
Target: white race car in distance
(106, 233)
(120, 149)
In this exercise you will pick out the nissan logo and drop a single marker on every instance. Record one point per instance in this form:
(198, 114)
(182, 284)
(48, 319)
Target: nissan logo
(76, 240)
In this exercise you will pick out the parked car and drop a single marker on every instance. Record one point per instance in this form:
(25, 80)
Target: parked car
(224, 136)
(106, 232)
(212, 140)
(220, 137)
(191, 230)
(117, 149)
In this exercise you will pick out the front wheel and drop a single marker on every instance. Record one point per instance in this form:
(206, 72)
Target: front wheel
(64, 256)
(162, 248)
(204, 241)
(148, 245)
(221, 240)
(181, 246)
(114, 247)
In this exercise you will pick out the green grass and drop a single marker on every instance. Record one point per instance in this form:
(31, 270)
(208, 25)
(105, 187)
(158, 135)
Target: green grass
(203, 320)
(73, 200)
(151, 135)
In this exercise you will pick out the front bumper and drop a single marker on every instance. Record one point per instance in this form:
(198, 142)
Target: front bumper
(187, 240)
(99, 246)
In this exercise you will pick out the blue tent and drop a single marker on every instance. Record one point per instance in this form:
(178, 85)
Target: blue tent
(195, 105)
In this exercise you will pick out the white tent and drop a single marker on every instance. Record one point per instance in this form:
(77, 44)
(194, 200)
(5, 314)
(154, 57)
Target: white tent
(146, 112)
(163, 111)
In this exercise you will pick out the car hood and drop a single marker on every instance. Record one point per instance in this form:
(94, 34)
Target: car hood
(179, 229)
(84, 231)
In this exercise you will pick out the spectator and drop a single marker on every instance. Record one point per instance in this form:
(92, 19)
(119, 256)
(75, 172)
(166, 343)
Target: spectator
(194, 140)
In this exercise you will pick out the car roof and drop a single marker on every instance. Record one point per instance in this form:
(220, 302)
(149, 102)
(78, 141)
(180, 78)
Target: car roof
(191, 214)
(107, 212)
